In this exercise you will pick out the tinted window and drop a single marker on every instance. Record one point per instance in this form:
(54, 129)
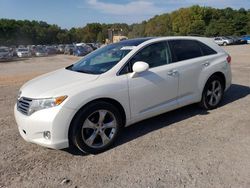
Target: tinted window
(126, 69)
(4, 50)
(206, 50)
(217, 38)
(184, 49)
(155, 55)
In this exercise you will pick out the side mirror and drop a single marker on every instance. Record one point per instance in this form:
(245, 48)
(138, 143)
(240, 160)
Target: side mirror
(140, 67)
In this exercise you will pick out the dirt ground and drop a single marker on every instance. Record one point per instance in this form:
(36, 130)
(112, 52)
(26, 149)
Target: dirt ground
(184, 148)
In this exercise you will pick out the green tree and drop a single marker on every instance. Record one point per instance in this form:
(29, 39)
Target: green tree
(100, 37)
(185, 21)
(159, 26)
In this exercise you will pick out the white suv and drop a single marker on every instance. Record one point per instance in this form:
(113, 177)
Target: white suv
(88, 103)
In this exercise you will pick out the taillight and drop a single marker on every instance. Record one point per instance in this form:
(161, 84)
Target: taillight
(229, 59)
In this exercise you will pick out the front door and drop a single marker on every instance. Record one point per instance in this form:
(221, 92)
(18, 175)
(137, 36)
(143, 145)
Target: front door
(154, 91)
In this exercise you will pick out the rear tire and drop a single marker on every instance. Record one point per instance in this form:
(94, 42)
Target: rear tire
(96, 127)
(213, 93)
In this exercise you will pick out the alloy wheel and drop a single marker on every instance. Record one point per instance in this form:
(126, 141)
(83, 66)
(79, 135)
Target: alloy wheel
(214, 93)
(99, 128)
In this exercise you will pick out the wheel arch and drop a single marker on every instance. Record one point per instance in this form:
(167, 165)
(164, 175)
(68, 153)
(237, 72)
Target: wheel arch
(108, 100)
(220, 75)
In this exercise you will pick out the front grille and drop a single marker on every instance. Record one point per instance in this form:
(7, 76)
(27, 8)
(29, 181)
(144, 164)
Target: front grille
(23, 105)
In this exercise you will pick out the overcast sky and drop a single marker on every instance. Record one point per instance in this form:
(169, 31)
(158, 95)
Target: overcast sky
(76, 13)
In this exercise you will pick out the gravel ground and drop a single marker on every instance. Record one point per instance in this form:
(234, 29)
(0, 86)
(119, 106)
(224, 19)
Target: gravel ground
(184, 148)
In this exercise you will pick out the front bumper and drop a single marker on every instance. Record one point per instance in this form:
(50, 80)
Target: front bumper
(6, 57)
(41, 54)
(24, 55)
(56, 120)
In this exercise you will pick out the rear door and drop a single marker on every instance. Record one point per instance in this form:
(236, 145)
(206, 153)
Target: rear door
(189, 60)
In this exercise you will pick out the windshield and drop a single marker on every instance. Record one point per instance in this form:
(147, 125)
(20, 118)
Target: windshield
(101, 60)
(40, 50)
(105, 58)
(4, 50)
(70, 46)
(22, 50)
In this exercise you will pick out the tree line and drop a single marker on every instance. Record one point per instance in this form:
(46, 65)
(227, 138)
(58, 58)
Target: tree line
(195, 20)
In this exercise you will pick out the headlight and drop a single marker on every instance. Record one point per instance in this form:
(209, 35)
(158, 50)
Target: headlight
(39, 104)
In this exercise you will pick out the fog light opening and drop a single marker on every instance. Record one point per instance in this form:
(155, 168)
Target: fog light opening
(47, 135)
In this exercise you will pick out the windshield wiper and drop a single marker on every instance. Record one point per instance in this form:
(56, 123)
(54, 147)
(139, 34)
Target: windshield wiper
(81, 71)
(85, 71)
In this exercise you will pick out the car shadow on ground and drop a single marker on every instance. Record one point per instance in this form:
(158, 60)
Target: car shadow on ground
(142, 128)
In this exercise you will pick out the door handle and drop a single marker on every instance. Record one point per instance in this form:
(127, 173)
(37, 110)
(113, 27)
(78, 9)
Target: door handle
(172, 72)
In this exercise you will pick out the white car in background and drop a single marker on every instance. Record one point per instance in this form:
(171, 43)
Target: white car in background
(88, 103)
(23, 52)
(223, 41)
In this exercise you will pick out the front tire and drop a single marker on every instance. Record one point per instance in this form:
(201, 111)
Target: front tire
(95, 127)
(213, 93)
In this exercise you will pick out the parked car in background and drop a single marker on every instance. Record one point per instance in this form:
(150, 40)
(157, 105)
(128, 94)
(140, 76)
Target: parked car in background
(246, 38)
(69, 49)
(98, 45)
(23, 52)
(32, 49)
(40, 52)
(51, 50)
(12, 49)
(80, 51)
(92, 45)
(87, 104)
(223, 41)
(238, 40)
(232, 38)
(61, 48)
(86, 46)
(5, 54)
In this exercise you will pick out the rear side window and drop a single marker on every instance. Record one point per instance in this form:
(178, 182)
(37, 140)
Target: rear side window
(206, 50)
(184, 49)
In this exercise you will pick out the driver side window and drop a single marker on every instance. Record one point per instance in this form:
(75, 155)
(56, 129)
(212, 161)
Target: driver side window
(155, 55)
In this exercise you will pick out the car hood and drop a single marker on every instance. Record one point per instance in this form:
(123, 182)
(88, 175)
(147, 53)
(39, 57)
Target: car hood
(55, 83)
